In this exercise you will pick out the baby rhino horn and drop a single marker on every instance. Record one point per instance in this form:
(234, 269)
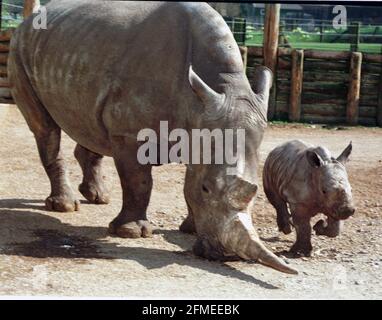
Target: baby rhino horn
(241, 192)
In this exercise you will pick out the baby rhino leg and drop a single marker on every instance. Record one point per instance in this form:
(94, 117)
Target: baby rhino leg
(283, 216)
(301, 221)
(92, 186)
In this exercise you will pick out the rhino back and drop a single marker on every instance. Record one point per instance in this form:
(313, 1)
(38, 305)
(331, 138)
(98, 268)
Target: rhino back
(121, 66)
(286, 171)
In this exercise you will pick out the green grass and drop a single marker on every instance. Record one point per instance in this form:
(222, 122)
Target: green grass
(304, 40)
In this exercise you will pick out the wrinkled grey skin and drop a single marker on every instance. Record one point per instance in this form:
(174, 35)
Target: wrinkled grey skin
(104, 70)
(310, 181)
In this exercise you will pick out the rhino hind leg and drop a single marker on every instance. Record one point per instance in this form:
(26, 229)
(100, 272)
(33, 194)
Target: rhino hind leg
(92, 186)
(48, 137)
(136, 182)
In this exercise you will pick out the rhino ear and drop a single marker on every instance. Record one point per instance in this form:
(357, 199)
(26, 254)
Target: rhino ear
(344, 156)
(314, 159)
(212, 100)
(241, 193)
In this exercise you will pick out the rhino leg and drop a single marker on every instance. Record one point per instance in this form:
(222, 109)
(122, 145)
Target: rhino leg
(188, 225)
(303, 245)
(92, 186)
(283, 216)
(136, 182)
(48, 137)
(330, 228)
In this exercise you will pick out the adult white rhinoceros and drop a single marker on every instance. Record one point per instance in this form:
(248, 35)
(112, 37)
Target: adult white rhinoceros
(104, 70)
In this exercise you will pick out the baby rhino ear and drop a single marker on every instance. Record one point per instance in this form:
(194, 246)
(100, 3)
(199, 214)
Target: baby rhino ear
(344, 156)
(314, 159)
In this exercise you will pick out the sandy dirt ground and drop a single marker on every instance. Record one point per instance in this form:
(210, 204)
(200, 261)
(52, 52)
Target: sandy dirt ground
(71, 254)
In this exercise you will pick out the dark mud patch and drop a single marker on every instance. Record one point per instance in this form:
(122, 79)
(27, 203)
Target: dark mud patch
(54, 243)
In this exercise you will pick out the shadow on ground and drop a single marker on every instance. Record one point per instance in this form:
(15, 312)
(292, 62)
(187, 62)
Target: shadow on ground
(50, 238)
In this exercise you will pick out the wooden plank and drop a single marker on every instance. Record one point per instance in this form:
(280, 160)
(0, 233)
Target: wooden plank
(369, 57)
(352, 109)
(368, 112)
(313, 118)
(3, 71)
(6, 100)
(4, 46)
(4, 82)
(371, 122)
(5, 93)
(379, 110)
(296, 85)
(368, 98)
(283, 65)
(284, 52)
(310, 76)
(327, 55)
(325, 66)
(320, 109)
(3, 57)
(6, 35)
(244, 56)
(326, 88)
(371, 68)
(271, 40)
(255, 51)
(29, 7)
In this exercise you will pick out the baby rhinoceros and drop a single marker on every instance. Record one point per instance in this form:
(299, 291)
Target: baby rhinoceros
(311, 181)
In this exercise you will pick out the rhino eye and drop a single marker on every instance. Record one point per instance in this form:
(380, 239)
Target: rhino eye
(205, 189)
(323, 191)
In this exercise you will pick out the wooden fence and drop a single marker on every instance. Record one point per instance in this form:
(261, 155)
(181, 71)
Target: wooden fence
(324, 86)
(311, 85)
(5, 94)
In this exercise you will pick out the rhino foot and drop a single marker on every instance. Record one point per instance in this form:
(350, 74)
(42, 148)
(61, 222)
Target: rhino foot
(133, 229)
(94, 193)
(301, 250)
(285, 228)
(62, 203)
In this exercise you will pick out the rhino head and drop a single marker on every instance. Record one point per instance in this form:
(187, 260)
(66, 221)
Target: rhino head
(331, 182)
(220, 203)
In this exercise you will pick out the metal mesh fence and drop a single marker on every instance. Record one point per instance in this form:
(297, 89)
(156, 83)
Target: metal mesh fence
(311, 34)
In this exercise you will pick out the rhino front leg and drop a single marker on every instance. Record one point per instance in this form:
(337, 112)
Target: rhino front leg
(61, 197)
(92, 186)
(283, 216)
(330, 228)
(303, 245)
(136, 182)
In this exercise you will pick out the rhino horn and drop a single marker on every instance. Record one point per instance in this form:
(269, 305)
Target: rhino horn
(241, 192)
(212, 100)
(343, 157)
(241, 238)
(262, 79)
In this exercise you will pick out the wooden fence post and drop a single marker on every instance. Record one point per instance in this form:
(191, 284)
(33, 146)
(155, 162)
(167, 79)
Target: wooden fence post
(355, 36)
(29, 6)
(296, 85)
(321, 32)
(379, 107)
(271, 42)
(244, 56)
(352, 108)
